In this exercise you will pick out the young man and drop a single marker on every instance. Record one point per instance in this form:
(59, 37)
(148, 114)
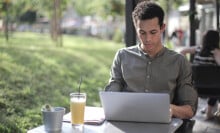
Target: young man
(150, 67)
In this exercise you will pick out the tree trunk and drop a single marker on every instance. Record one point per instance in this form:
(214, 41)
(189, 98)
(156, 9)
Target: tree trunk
(5, 22)
(56, 23)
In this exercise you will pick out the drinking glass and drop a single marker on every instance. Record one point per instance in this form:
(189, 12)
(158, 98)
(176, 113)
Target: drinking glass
(77, 108)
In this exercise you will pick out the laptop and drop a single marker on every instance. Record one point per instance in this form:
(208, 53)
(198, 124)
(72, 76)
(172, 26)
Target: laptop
(136, 107)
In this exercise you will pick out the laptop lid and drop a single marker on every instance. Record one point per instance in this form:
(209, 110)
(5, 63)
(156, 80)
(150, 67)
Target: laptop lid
(136, 107)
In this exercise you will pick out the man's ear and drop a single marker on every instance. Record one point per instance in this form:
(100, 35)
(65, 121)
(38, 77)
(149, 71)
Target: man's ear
(134, 23)
(163, 27)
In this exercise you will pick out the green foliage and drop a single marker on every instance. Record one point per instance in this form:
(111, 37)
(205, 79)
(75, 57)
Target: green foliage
(43, 8)
(169, 45)
(118, 36)
(101, 8)
(34, 72)
(7, 125)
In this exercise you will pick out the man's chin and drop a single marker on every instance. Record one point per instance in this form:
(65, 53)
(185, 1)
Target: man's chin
(149, 50)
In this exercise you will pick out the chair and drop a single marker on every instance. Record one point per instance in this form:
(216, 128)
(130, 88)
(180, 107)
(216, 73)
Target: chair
(206, 80)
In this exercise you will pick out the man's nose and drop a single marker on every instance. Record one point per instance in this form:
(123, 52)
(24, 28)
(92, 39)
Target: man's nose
(147, 38)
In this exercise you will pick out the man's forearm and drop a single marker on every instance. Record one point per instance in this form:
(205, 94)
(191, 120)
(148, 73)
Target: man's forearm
(182, 112)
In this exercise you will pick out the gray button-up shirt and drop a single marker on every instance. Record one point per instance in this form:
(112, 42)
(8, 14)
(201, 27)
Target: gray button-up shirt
(168, 72)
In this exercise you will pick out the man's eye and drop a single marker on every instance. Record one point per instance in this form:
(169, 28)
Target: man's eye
(142, 33)
(153, 32)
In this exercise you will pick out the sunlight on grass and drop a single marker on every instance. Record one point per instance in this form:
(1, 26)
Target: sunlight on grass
(34, 72)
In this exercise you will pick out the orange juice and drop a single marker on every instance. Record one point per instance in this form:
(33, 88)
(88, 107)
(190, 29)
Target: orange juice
(77, 107)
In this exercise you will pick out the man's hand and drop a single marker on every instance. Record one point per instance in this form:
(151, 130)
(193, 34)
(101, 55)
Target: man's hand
(182, 112)
(171, 113)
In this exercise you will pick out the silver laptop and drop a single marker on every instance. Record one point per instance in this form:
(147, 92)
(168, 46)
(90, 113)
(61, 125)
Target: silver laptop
(136, 107)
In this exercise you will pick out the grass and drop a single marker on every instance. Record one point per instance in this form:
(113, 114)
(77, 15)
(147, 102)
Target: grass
(33, 72)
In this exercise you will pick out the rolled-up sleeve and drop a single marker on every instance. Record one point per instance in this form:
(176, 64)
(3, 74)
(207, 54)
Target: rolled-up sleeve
(186, 93)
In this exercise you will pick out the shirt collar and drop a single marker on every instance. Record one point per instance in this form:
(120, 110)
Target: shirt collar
(161, 52)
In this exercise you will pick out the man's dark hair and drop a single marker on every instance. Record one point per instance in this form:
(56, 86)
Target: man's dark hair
(147, 10)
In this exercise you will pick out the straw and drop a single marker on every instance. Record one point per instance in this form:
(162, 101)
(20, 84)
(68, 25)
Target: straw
(79, 84)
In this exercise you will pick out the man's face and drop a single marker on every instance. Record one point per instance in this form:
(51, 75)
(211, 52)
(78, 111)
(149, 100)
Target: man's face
(149, 33)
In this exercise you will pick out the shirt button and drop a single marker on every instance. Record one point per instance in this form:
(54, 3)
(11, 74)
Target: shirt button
(149, 62)
(146, 90)
(148, 76)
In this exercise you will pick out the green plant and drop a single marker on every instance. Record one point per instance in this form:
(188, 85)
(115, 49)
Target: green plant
(47, 107)
(7, 125)
(36, 72)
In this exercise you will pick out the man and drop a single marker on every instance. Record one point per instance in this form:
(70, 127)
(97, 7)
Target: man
(150, 67)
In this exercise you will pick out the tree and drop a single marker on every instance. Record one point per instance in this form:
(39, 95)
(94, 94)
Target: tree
(5, 10)
(51, 9)
(56, 33)
(29, 16)
(101, 8)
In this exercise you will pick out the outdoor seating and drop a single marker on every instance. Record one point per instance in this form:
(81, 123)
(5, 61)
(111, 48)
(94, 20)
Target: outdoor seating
(206, 80)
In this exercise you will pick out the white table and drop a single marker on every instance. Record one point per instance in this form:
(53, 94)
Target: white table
(115, 127)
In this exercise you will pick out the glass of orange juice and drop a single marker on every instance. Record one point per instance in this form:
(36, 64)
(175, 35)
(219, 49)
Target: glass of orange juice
(77, 108)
